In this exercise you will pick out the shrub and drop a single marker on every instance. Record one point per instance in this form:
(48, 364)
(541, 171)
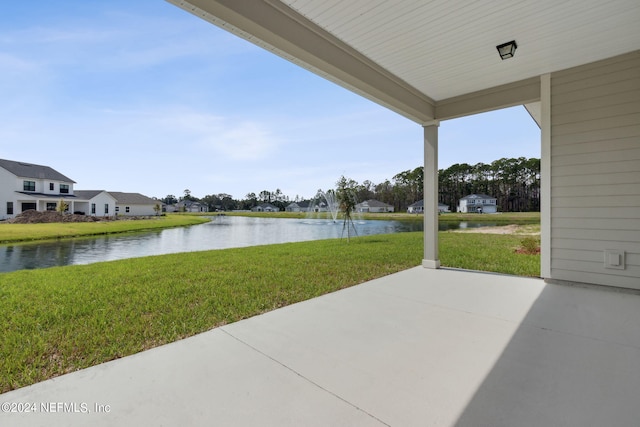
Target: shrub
(529, 245)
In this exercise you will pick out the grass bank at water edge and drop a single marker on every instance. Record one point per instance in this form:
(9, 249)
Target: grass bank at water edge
(12, 233)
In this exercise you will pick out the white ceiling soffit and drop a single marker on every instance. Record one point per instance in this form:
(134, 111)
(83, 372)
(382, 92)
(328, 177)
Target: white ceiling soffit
(433, 59)
(535, 111)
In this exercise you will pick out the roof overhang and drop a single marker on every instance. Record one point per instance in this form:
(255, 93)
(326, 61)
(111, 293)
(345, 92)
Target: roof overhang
(433, 60)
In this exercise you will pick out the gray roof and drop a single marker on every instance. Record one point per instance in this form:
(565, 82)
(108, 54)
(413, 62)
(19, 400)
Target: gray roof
(132, 198)
(188, 203)
(374, 203)
(86, 194)
(36, 196)
(266, 206)
(478, 196)
(29, 170)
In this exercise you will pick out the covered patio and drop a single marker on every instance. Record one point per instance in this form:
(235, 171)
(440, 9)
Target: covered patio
(420, 347)
(575, 66)
(431, 346)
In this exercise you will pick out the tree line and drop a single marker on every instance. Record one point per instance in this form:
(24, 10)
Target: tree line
(514, 182)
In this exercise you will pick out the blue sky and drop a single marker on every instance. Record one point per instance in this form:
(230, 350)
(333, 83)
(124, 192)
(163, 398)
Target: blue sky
(140, 96)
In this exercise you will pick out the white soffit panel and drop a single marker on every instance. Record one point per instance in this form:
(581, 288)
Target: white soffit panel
(447, 48)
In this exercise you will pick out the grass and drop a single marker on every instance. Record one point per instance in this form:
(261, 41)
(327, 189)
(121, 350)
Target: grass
(11, 233)
(499, 218)
(487, 252)
(62, 319)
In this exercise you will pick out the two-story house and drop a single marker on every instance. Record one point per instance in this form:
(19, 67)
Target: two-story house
(478, 203)
(25, 186)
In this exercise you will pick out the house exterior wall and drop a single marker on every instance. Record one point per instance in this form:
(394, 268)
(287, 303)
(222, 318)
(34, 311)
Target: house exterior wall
(45, 186)
(100, 201)
(10, 184)
(373, 209)
(135, 210)
(7, 192)
(294, 207)
(595, 172)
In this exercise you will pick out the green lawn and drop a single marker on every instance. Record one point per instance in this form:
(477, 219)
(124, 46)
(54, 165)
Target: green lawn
(487, 252)
(62, 319)
(10, 233)
(500, 218)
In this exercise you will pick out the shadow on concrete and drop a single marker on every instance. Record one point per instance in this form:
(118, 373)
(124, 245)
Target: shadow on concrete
(573, 361)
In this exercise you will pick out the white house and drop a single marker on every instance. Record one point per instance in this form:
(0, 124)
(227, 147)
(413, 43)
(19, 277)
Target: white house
(135, 204)
(190, 206)
(95, 203)
(317, 205)
(298, 207)
(265, 207)
(373, 206)
(26, 186)
(478, 203)
(418, 207)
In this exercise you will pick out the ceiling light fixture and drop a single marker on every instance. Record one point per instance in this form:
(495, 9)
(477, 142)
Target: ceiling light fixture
(507, 50)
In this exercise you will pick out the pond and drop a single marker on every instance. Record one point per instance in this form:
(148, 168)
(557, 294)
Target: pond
(221, 232)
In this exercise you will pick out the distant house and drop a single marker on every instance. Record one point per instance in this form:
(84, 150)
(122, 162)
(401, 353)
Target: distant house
(418, 207)
(478, 203)
(134, 204)
(95, 203)
(26, 186)
(298, 207)
(321, 206)
(373, 206)
(190, 206)
(265, 207)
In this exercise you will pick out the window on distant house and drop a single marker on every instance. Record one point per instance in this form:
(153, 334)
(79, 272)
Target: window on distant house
(126, 209)
(51, 206)
(29, 186)
(51, 186)
(9, 208)
(64, 188)
(117, 208)
(106, 208)
(93, 208)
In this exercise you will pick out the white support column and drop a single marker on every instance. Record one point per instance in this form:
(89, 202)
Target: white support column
(545, 176)
(430, 259)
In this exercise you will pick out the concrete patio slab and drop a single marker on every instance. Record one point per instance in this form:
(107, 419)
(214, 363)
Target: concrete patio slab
(420, 347)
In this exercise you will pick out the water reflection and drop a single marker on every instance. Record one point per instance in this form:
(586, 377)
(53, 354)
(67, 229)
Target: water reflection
(221, 233)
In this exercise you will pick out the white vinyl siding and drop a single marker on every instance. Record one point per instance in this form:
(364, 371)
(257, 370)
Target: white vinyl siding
(137, 210)
(595, 171)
